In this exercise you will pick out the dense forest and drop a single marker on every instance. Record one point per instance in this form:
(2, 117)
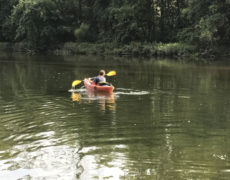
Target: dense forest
(42, 24)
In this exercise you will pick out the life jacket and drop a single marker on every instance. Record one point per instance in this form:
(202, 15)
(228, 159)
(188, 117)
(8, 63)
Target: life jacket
(99, 79)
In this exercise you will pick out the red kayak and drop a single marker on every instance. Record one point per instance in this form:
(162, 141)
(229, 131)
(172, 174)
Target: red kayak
(91, 86)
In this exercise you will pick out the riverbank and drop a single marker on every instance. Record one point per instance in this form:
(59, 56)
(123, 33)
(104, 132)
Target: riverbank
(132, 49)
(176, 50)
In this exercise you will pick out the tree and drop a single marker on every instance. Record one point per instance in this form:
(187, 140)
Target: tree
(44, 23)
(5, 11)
(207, 23)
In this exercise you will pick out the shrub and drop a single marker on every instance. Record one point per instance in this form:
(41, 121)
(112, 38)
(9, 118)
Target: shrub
(82, 33)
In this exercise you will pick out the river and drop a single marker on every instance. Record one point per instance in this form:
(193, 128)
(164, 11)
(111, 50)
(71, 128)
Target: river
(167, 119)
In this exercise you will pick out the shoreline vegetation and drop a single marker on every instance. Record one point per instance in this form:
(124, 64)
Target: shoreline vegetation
(136, 49)
(169, 28)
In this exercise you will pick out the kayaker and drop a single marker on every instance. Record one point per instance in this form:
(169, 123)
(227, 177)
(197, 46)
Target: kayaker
(100, 79)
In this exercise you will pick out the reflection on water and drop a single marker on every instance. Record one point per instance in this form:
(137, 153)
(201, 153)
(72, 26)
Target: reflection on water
(165, 119)
(48, 163)
(105, 100)
(76, 97)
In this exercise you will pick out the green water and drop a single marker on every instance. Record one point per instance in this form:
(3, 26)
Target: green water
(166, 119)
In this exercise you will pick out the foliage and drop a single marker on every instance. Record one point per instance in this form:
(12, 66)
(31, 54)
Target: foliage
(133, 49)
(82, 33)
(39, 23)
(35, 22)
(5, 11)
(207, 23)
(44, 23)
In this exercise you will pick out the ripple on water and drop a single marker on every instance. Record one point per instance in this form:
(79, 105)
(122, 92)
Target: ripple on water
(123, 91)
(57, 162)
(118, 91)
(112, 162)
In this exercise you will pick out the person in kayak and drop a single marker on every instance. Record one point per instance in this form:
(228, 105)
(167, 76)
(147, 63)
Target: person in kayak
(100, 79)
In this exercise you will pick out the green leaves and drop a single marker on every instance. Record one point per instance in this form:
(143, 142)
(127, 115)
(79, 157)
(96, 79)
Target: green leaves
(82, 33)
(43, 24)
(207, 23)
(40, 23)
(208, 28)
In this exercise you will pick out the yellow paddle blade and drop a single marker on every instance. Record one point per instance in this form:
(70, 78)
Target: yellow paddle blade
(76, 82)
(111, 73)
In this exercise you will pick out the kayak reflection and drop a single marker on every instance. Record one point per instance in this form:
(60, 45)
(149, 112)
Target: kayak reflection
(105, 100)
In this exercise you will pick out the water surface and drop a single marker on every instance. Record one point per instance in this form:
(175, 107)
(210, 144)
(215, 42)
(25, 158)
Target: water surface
(166, 119)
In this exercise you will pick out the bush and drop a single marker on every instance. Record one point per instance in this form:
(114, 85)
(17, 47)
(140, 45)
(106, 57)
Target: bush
(132, 49)
(82, 33)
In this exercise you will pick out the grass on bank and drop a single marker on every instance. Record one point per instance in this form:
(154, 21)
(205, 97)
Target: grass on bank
(16, 47)
(133, 49)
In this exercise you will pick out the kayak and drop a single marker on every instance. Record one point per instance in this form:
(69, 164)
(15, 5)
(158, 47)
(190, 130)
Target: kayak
(91, 86)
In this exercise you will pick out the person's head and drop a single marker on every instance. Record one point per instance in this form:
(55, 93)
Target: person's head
(102, 72)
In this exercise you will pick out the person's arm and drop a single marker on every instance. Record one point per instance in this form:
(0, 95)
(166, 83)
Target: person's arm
(96, 80)
(92, 79)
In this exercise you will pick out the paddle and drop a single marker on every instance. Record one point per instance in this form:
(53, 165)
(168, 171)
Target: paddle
(76, 82)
